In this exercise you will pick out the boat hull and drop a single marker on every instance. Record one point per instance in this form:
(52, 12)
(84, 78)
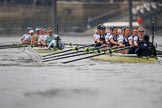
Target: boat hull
(124, 59)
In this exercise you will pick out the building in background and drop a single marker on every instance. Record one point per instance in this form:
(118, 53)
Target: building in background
(75, 15)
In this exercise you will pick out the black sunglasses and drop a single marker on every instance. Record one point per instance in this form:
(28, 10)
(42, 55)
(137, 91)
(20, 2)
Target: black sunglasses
(141, 31)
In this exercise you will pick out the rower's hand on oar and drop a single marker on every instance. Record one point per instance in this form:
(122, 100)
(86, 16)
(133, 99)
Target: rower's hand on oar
(58, 37)
(101, 42)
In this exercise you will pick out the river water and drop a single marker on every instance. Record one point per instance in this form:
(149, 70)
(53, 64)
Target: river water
(25, 82)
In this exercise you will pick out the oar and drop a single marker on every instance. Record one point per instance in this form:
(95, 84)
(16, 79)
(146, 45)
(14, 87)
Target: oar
(75, 48)
(106, 52)
(5, 45)
(87, 49)
(159, 52)
(10, 45)
(13, 46)
(94, 50)
(16, 46)
(72, 44)
(46, 60)
(53, 56)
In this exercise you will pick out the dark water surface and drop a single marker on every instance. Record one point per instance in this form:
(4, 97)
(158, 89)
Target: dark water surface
(25, 82)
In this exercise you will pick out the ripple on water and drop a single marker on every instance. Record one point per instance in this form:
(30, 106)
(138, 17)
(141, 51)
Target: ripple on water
(60, 92)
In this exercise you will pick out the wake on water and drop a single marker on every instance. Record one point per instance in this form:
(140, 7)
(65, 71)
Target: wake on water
(33, 55)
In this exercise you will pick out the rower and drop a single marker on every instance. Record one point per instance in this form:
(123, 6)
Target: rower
(50, 37)
(116, 38)
(26, 39)
(54, 41)
(42, 37)
(108, 35)
(97, 32)
(34, 39)
(137, 36)
(146, 48)
(141, 33)
(122, 31)
(135, 41)
(127, 40)
(100, 39)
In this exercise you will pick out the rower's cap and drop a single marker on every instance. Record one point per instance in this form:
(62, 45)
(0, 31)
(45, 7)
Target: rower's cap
(102, 27)
(98, 26)
(31, 31)
(37, 28)
(111, 27)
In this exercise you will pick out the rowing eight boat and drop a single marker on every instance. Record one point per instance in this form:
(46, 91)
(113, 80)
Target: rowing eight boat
(115, 57)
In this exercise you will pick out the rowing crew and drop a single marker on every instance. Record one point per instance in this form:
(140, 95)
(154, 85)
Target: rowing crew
(138, 41)
(42, 37)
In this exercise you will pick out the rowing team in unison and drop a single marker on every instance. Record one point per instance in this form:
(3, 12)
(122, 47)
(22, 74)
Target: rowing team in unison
(42, 37)
(138, 41)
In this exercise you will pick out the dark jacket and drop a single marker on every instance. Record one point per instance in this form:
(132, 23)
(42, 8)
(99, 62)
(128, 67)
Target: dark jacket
(146, 49)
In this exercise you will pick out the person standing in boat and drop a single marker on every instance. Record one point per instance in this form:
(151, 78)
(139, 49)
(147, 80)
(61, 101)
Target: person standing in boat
(146, 48)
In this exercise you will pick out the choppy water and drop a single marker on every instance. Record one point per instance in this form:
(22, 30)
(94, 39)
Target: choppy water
(27, 83)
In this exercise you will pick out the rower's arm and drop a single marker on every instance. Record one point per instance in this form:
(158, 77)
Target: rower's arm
(107, 41)
(130, 42)
(113, 42)
(121, 44)
(99, 41)
(135, 43)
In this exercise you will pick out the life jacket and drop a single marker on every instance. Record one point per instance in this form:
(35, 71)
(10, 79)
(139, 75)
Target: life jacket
(138, 41)
(143, 49)
(126, 42)
(146, 49)
(102, 38)
(115, 38)
(133, 48)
